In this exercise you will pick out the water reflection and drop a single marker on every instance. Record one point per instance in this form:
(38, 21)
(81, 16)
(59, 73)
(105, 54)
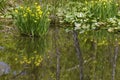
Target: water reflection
(24, 55)
(37, 59)
(30, 45)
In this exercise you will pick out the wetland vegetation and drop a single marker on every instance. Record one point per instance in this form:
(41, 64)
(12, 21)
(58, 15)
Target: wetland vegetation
(59, 39)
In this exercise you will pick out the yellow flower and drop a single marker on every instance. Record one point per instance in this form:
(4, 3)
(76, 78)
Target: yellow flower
(25, 15)
(104, 3)
(32, 15)
(38, 7)
(48, 13)
(49, 19)
(16, 11)
(36, 3)
(35, 21)
(117, 4)
(21, 7)
(40, 12)
(28, 9)
(86, 2)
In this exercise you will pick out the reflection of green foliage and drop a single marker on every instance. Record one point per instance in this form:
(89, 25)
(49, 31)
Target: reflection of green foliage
(96, 61)
(29, 45)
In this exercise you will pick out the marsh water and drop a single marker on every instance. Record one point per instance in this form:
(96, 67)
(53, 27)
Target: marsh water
(54, 57)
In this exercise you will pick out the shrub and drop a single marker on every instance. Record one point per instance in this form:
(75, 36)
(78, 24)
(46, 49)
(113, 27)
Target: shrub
(32, 20)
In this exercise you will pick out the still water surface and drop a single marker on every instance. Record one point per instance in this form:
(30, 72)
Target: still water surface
(38, 58)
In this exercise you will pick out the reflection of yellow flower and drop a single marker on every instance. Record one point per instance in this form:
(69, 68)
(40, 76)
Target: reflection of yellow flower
(21, 62)
(37, 63)
(25, 58)
(48, 57)
(16, 59)
(35, 60)
(28, 62)
(32, 57)
(39, 60)
(35, 52)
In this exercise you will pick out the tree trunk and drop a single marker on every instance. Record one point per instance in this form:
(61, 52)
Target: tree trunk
(79, 53)
(57, 54)
(115, 59)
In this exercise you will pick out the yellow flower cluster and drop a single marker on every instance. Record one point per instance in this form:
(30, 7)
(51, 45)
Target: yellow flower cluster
(35, 60)
(34, 11)
(103, 3)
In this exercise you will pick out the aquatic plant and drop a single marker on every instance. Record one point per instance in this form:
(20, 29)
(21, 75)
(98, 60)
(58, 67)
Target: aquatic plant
(32, 20)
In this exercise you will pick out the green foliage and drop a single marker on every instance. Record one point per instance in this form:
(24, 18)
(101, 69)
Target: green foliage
(32, 20)
(2, 5)
(82, 18)
(103, 9)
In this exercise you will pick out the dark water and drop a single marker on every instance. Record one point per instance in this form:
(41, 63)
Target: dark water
(54, 57)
